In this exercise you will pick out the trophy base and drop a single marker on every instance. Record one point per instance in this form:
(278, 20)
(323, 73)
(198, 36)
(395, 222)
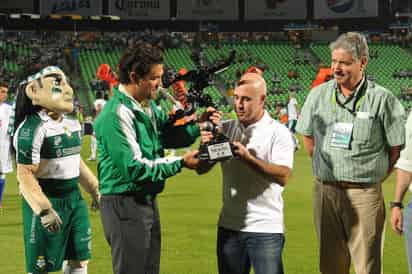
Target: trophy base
(214, 152)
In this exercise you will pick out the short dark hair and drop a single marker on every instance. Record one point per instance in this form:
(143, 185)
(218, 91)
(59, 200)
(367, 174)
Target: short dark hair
(138, 59)
(4, 84)
(99, 94)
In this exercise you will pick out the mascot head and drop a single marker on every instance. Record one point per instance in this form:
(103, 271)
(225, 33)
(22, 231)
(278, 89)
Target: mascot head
(45, 88)
(50, 89)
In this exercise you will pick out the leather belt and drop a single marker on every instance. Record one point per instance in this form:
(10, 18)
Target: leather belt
(347, 185)
(138, 196)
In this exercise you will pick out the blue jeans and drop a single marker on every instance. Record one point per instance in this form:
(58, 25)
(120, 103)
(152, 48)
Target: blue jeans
(407, 231)
(237, 251)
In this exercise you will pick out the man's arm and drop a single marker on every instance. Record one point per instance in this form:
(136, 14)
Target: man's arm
(179, 136)
(34, 196)
(393, 122)
(403, 180)
(172, 135)
(309, 144)
(277, 173)
(394, 153)
(121, 143)
(90, 183)
(184, 135)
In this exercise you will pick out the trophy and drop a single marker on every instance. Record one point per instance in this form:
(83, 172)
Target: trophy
(217, 149)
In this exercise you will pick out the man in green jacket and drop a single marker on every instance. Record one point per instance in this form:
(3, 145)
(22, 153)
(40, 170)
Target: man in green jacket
(131, 134)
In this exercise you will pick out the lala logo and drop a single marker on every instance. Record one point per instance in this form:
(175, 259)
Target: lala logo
(340, 6)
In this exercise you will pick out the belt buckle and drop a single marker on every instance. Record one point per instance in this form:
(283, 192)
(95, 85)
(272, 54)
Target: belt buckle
(349, 185)
(346, 184)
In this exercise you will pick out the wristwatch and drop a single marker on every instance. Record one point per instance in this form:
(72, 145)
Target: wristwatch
(396, 204)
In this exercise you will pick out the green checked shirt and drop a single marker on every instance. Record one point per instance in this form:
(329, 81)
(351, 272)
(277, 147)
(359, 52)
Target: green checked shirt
(378, 123)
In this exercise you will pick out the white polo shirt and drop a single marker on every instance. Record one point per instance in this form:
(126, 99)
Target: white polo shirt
(99, 104)
(251, 201)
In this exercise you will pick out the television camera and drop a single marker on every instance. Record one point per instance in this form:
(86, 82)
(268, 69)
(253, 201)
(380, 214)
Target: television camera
(219, 148)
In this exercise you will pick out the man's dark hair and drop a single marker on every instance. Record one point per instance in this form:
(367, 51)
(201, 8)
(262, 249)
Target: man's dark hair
(138, 59)
(4, 84)
(99, 94)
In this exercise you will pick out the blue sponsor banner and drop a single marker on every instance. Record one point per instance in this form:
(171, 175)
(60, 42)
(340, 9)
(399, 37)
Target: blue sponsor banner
(331, 9)
(80, 7)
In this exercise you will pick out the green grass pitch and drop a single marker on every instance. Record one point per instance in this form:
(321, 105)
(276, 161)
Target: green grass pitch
(189, 208)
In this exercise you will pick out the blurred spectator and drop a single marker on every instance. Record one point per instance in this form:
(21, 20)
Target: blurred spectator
(98, 107)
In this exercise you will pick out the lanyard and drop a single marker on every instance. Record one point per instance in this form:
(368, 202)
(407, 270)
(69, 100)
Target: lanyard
(358, 100)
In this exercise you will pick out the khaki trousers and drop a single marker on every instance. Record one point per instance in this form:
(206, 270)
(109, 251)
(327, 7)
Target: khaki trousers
(350, 227)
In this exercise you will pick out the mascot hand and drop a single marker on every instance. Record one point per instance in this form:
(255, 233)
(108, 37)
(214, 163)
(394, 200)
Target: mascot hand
(95, 202)
(50, 220)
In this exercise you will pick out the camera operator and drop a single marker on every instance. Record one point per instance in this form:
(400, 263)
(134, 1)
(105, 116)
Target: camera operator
(251, 222)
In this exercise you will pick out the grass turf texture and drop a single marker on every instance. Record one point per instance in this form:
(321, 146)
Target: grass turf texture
(189, 208)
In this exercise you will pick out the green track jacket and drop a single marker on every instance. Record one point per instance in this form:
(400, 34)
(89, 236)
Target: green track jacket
(130, 146)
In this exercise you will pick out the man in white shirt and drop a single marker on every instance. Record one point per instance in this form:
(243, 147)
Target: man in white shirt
(402, 223)
(251, 225)
(293, 115)
(5, 155)
(98, 107)
(293, 112)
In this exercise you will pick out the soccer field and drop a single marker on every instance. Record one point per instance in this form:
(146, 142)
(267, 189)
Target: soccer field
(189, 208)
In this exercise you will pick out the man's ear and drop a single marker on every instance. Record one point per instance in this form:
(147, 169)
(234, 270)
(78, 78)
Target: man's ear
(263, 98)
(31, 90)
(364, 62)
(134, 79)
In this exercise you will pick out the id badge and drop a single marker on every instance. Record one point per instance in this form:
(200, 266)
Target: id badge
(341, 135)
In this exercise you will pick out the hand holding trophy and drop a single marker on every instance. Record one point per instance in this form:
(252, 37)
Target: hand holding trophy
(215, 146)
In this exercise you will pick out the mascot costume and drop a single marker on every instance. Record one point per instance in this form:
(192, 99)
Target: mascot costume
(49, 169)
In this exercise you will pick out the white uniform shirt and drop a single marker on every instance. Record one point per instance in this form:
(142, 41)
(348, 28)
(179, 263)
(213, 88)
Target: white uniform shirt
(292, 106)
(251, 202)
(99, 104)
(54, 145)
(405, 160)
(5, 153)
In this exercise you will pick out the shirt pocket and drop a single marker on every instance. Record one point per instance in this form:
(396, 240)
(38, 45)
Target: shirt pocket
(362, 129)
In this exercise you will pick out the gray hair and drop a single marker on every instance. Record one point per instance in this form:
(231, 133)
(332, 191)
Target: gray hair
(352, 42)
